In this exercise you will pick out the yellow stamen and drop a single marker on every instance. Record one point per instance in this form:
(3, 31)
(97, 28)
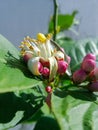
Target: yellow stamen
(22, 52)
(49, 36)
(27, 43)
(41, 37)
(31, 47)
(21, 46)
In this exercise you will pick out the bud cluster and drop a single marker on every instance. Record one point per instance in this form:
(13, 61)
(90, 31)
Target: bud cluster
(93, 77)
(87, 70)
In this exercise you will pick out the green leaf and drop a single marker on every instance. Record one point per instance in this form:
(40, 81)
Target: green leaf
(14, 75)
(20, 106)
(46, 123)
(76, 110)
(64, 21)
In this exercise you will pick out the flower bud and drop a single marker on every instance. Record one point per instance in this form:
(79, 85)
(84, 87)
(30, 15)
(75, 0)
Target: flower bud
(48, 89)
(40, 67)
(93, 74)
(88, 65)
(68, 59)
(45, 72)
(62, 67)
(27, 56)
(93, 86)
(79, 76)
(90, 56)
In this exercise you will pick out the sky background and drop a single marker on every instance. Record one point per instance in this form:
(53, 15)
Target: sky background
(19, 18)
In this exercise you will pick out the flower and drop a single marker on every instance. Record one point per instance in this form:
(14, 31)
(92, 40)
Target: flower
(79, 76)
(88, 65)
(93, 76)
(43, 55)
(90, 56)
(62, 66)
(89, 62)
(48, 89)
(93, 86)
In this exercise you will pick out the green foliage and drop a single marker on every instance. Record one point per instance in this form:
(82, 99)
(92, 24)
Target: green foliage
(19, 106)
(64, 22)
(49, 124)
(75, 109)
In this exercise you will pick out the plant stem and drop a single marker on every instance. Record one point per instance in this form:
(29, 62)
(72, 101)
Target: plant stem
(55, 19)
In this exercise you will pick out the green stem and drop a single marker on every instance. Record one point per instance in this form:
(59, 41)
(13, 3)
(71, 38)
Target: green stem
(55, 18)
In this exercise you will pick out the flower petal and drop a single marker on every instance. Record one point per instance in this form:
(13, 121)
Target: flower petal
(53, 67)
(59, 55)
(33, 65)
(49, 48)
(43, 51)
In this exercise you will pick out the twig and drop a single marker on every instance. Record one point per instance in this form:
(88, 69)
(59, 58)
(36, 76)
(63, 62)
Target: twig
(55, 18)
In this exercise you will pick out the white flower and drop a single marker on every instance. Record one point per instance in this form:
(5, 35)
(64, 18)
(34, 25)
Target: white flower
(42, 56)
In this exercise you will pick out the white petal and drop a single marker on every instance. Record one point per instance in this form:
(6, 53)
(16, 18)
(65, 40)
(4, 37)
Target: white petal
(49, 48)
(36, 51)
(53, 68)
(43, 50)
(33, 65)
(59, 55)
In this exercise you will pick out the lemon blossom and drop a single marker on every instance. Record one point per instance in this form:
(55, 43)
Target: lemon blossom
(43, 56)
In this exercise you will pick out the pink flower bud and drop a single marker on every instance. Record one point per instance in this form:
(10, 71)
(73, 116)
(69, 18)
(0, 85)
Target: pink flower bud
(62, 66)
(90, 56)
(40, 67)
(88, 65)
(93, 75)
(68, 59)
(79, 76)
(48, 89)
(45, 72)
(93, 86)
(27, 56)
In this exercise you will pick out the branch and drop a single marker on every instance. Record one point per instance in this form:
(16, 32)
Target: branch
(55, 19)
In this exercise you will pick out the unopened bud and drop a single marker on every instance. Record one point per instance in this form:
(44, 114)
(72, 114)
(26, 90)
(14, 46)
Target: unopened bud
(62, 67)
(45, 72)
(93, 86)
(48, 89)
(93, 74)
(40, 67)
(79, 76)
(90, 56)
(88, 65)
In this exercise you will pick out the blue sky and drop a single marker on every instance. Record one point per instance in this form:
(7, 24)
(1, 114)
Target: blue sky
(19, 18)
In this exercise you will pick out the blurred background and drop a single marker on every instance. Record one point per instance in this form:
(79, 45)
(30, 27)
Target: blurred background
(19, 18)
